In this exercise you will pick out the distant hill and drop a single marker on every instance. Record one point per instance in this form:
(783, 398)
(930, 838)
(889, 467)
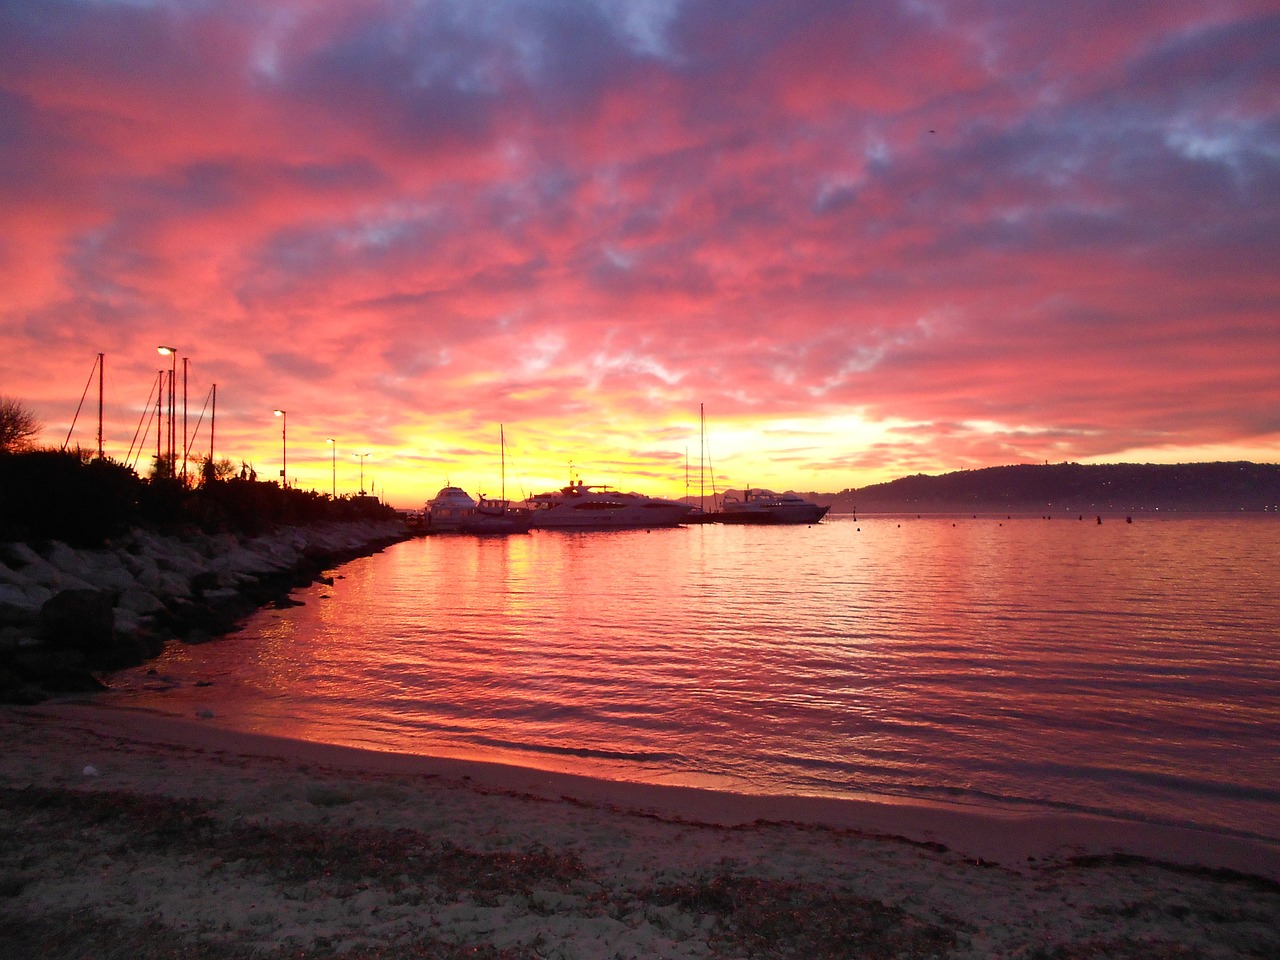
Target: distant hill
(1073, 488)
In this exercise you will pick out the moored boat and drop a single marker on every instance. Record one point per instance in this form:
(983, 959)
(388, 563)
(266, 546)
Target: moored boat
(765, 506)
(497, 517)
(452, 510)
(598, 507)
(448, 509)
(698, 515)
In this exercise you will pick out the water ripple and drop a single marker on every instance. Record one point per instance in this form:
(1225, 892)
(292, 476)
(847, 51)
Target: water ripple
(1130, 669)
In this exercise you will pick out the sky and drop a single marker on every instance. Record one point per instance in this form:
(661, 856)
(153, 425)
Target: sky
(869, 239)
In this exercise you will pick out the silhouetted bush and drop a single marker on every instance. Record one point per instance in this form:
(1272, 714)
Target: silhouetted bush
(54, 495)
(57, 495)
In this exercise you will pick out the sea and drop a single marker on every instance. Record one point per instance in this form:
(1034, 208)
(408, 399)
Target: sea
(1055, 663)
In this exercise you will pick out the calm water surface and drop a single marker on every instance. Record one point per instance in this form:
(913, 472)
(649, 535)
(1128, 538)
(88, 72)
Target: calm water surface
(1130, 669)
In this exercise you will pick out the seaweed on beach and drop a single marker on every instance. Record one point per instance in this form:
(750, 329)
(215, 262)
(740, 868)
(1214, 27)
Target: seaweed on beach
(765, 918)
(297, 852)
(156, 821)
(74, 937)
(77, 937)
(1116, 949)
(1216, 874)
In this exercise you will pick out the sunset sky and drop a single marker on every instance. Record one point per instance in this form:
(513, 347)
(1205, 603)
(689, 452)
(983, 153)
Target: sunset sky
(873, 238)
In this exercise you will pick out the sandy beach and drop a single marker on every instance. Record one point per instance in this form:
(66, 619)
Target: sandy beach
(126, 834)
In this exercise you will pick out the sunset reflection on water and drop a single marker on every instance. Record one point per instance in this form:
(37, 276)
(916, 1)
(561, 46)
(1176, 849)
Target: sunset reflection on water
(1123, 668)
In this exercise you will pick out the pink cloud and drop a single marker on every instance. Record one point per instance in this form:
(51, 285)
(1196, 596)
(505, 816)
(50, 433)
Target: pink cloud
(406, 225)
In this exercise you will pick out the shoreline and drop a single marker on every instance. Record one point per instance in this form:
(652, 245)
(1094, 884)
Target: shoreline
(988, 834)
(155, 831)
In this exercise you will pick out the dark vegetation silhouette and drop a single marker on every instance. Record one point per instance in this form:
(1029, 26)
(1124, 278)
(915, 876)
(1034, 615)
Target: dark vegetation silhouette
(84, 501)
(19, 427)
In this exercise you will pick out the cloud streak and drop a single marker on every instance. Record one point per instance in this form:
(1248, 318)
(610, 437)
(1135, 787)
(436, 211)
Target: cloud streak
(874, 238)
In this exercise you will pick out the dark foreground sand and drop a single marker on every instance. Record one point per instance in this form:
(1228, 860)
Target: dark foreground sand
(133, 836)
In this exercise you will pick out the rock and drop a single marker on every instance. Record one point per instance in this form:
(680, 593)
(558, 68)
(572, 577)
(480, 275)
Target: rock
(15, 606)
(53, 671)
(126, 621)
(221, 595)
(204, 581)
(140, 602)
(19, 690)
(82, 620)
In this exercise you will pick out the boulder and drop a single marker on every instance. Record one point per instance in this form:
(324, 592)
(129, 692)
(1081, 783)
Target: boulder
(139, 602)
(105, 571)
(16, 606)
(82, 620)
(17, 690)
(53, 671)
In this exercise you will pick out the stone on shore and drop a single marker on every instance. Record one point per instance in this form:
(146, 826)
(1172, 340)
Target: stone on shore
(81, 619)
(116, 607)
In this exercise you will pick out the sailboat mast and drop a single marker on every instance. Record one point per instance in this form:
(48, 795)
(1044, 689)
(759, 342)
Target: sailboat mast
(702, 455)
(213, 421)
(502, 447)
(100, 374)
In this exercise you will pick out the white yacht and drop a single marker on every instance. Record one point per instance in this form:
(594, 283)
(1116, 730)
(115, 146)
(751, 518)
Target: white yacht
(449, 509)
(453, 511)
(497, 517)
(583, 507)
(765, 506)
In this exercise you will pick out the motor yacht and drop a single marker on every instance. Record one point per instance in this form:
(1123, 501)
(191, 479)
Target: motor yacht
(448, 509)
(497, 517)
(596, 507)
(765, 506)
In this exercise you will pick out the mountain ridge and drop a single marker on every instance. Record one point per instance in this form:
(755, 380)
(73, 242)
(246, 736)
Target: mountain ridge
(1073, 487)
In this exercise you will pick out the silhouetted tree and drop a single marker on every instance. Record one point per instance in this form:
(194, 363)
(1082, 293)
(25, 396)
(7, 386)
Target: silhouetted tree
(214, 470)
(162, 466)
(18, 426)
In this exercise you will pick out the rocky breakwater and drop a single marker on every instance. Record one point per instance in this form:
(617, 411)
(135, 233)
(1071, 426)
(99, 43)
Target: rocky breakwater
(68, 616)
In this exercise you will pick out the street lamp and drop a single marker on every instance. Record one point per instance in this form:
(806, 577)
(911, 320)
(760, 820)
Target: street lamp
(173, 371)
(284, 446)
(362, 456)
(334, 444)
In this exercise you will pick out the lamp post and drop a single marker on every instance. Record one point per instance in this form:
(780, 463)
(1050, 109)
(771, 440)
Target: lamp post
(334, 445)
(171, 352)
(362, 456)
(284, 446)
